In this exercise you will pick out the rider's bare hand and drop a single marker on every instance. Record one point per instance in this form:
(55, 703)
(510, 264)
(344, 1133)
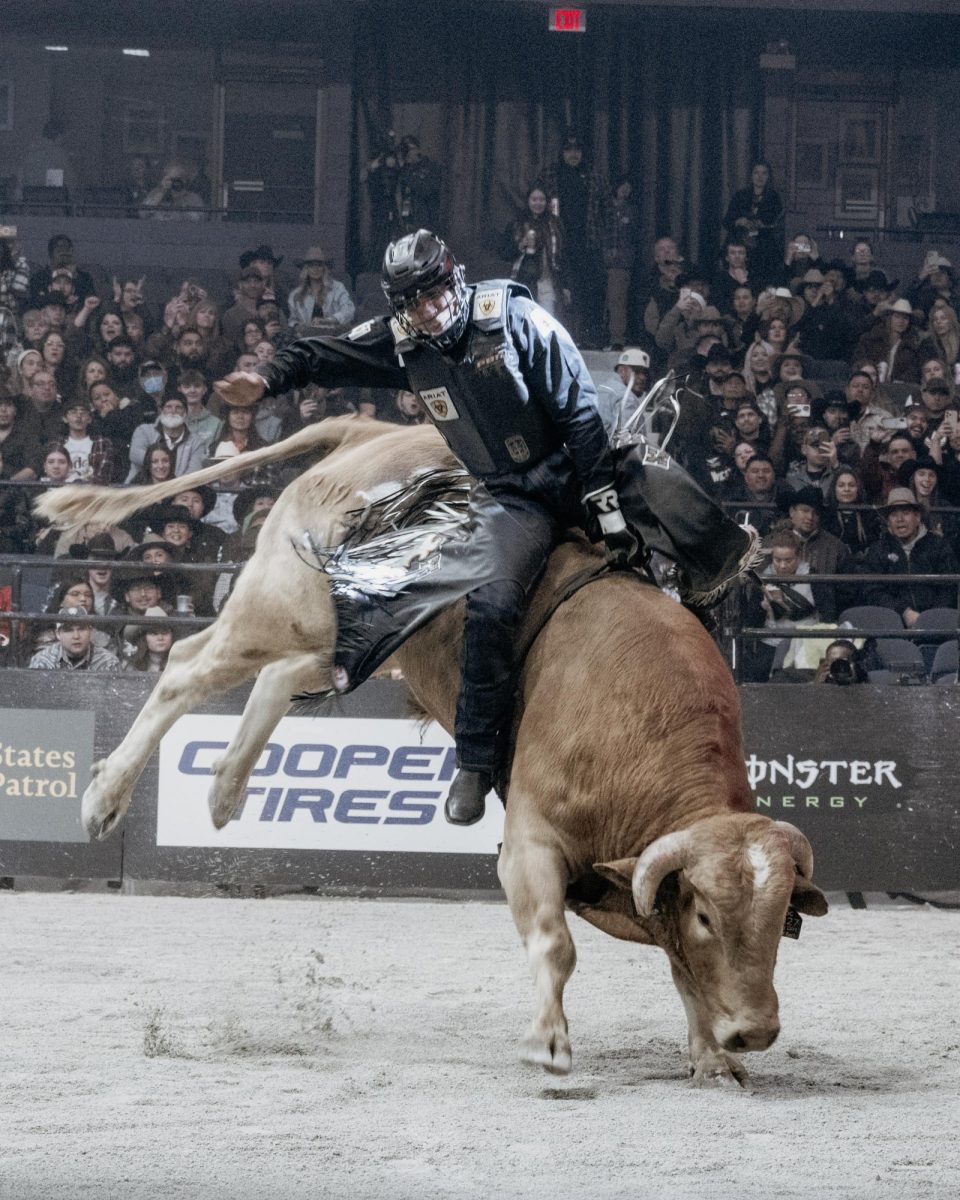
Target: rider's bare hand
(241, 388)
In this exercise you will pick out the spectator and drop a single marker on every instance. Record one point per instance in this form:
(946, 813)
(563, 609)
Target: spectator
(817, 464)
(26, 365)
(207, 540)
(206, 317)
(171, 199)
(251, 333)
(264, 261)
(822, 332)
(936, 281)
(19, 443)
(14, 271)
(250, 508)
(193, 387)
(755, 213)
(419, 188)
(907, 547)
(826, 554)
(176, 526)
(621, 242)
(109, 328)
(662, 288)
(99, 578)
(189, 351)
(580, 192)
(56, 464)
(802, 256)
(534, 244)
(249, 292)
(777, 603)
(34, 325)
(122, 359)
(74, 649)
(169, 430)
(407, 409)
(43, 408)
(752, 427)
(943, 338)
(16, 523)
(863, 269)
(236, 433)
(734, 274)
(61, 256)
(840, 665)
(150, 644)
(744, 325)
(91, 460)
(882, 458)
(892, 345)
(835, 413)
(157, 467)
(922, 476)
(53, 347)
(116, 420)
(856, 527)
(92, 370)
(319, 301)
(762, 493)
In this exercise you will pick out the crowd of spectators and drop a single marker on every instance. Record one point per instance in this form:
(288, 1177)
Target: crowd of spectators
(817, 400)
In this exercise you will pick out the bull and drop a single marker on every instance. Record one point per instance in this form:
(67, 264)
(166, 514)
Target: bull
(628, 798)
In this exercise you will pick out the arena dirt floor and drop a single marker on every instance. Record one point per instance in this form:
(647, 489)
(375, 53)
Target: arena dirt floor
(219, 1048)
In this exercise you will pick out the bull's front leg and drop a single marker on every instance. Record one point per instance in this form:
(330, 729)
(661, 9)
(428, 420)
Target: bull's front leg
(268, 701)
(206, 662)
(709, 1064)
(535, 878)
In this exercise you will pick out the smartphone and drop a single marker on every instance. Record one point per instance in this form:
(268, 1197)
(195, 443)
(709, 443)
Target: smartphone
(7, 232)
(799, 410)
(893, 422)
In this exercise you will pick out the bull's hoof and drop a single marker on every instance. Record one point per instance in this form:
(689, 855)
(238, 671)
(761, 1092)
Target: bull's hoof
(223, 804)
(550, 1052)
(719, 1070)
(100, 812)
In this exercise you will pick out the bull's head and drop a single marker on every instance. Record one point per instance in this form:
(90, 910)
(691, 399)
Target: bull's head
(715, 896)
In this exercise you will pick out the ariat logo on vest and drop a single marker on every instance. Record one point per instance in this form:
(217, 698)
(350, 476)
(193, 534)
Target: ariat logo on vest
(438, 402)
(517, 448)
(487, 304)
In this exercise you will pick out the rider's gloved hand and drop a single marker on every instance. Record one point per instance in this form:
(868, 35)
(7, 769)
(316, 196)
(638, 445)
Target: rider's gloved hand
(603, 512)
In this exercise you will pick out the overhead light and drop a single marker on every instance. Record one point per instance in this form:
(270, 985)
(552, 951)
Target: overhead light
(136, 53)
(59, 49)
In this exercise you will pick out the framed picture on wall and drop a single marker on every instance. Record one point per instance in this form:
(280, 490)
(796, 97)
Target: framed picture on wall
(860, 138)
(812, 164)
(858, 192)
(143, 129)
(6, 104)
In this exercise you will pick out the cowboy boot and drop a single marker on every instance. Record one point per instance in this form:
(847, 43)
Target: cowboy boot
(466, 798)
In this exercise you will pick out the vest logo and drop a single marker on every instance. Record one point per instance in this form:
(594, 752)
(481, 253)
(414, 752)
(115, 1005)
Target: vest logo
(517, 448)
(438, 403)
(487, 304)
(359, 331)
(652, 457)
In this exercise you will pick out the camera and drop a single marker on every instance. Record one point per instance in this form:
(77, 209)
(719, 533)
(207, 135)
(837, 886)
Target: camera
(841, 672)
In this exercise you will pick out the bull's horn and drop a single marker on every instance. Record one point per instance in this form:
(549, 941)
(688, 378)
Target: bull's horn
(666, 854)
(800, 848)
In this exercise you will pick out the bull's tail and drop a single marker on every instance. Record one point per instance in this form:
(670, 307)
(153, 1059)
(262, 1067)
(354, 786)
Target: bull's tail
(68, 507)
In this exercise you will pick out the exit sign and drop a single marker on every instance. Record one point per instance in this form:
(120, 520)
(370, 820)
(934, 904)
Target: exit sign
(568, 20)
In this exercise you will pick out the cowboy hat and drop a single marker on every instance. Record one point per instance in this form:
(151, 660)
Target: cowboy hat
(772, 299)
(902, 306)
(901, 497)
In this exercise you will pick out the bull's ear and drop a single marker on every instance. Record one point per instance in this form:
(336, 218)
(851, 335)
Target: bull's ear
(808, 899)
(619, 873)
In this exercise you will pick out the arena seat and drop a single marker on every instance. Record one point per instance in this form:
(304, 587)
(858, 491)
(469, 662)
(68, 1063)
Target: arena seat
(897, 654)
(945, 663)
(43, 201)
(872, 617)
(937, 620)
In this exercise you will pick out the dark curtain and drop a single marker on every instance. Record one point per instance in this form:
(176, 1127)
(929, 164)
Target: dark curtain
(671, 100)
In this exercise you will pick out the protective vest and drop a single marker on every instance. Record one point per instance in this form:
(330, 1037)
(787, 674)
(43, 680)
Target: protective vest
(481, 404)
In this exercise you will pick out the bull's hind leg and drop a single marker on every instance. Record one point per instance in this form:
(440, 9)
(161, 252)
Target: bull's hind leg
(534, 876)
(209, 661)
(267, 703)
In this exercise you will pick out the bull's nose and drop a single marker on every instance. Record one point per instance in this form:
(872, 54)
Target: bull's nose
(754, 1038)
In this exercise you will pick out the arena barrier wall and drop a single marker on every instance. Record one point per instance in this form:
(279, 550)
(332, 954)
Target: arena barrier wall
(351, 799)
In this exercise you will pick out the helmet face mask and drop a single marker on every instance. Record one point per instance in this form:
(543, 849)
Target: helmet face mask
(425, 288)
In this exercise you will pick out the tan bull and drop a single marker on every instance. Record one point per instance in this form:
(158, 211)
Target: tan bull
(628, 798)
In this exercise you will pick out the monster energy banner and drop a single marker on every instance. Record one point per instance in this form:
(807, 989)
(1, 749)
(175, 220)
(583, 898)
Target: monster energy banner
(867, 773)
(353, 801)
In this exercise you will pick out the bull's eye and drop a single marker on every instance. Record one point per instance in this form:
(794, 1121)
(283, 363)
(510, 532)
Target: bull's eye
(704, 920)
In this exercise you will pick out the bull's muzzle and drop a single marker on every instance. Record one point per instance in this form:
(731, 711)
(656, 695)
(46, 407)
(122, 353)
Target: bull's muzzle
(742, 1036)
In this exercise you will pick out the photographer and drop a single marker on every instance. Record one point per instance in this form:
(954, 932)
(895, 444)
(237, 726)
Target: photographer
(822, 332)
(171, 199)
(840, 665)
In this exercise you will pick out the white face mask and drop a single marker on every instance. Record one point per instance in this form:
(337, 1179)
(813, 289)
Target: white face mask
(153, 385)
(171, 420)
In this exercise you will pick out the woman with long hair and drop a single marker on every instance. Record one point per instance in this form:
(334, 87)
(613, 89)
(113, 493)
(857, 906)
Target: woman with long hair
(319, 300)
(237, 433)
(53, 348)
(92, 370)
(534, 244)
(855, 527)
(755, 213)
(151, 644)
(158, 466)
(943, 334)
(109, 328)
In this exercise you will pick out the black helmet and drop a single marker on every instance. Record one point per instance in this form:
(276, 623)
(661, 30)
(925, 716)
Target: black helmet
(415, 265)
